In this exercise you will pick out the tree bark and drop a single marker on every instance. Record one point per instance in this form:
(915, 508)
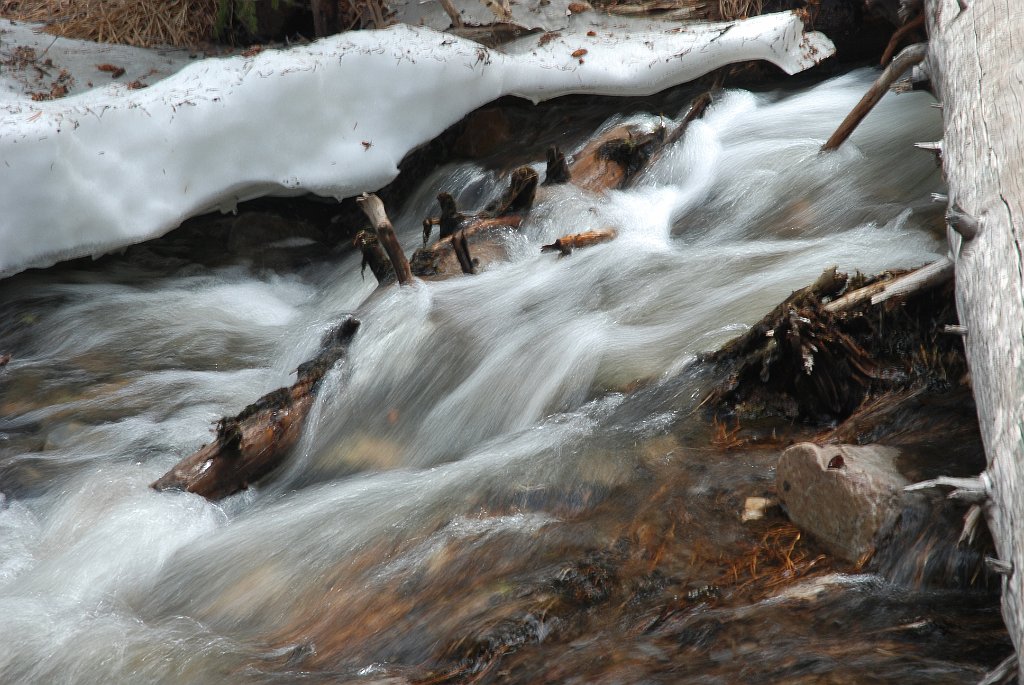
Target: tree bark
(976, 68)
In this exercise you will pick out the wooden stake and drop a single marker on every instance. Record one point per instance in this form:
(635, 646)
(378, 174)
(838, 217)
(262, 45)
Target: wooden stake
(374, 210)
(374, 257)
(910, 56)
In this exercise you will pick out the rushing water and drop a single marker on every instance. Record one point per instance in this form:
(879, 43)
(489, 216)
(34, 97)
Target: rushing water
(506, 465)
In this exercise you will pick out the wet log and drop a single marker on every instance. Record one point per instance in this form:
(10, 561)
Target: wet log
(557, 170)
(253, 443)
(976, 70)
(607, 162)
(613, 158)
(450, 254)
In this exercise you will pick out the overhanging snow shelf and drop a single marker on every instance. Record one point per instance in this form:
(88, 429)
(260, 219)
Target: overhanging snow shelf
(112, 166)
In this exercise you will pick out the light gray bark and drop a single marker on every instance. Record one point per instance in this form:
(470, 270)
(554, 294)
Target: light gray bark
(976, 59)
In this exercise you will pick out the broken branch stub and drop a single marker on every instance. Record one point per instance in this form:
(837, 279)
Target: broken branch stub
(253, 443)
(374, 210)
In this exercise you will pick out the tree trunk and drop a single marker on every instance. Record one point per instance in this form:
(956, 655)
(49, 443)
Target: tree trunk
(976, 69)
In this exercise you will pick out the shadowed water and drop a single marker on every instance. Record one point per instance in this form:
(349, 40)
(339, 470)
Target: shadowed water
(505, 465)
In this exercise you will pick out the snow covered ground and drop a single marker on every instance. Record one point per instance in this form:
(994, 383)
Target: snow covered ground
(114, 166)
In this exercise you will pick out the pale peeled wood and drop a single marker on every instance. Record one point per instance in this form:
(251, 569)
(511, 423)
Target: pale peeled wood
(975, 59)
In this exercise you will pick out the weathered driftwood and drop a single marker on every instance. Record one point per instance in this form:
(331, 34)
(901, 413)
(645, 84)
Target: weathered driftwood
(915, 54)
(929, 275)
(977, 73)
(253, 443)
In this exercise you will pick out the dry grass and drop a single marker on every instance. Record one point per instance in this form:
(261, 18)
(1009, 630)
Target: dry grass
(739, 9)
(780, 559)
(144, 23)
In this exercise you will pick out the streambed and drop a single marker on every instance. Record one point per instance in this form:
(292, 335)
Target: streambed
(508, 478)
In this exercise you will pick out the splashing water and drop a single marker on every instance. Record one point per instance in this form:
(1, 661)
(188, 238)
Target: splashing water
(482, 431)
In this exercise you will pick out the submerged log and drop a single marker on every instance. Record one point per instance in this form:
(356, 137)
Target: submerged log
(974, 61)
(253, 443)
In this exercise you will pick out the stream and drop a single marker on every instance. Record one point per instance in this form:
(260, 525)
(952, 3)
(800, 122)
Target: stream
(507, 479)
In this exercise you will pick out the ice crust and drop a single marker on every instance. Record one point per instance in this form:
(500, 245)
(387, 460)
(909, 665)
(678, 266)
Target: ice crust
(112, 167)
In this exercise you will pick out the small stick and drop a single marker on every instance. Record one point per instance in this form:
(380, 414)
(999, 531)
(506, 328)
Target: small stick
(974, 490)
(374, 210)
(450, 220)
(890, 49)
(910, 56)
(1006, 669)
(452, 13)
(1003, 568)
(566, 244)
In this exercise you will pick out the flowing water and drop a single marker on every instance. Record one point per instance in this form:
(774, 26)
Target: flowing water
(507, 478)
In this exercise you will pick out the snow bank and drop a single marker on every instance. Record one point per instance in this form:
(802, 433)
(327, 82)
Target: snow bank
(112, 167)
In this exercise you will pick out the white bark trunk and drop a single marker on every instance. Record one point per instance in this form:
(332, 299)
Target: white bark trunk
(976, 60)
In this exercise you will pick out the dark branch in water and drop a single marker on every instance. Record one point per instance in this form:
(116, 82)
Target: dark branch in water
(557, 168)
(258, 439)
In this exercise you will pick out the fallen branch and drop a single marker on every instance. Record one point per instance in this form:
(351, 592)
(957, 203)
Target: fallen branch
(910, 56)
(253, 443)
(936, 273)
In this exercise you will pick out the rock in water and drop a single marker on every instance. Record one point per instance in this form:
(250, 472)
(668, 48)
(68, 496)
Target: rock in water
(841, 494)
